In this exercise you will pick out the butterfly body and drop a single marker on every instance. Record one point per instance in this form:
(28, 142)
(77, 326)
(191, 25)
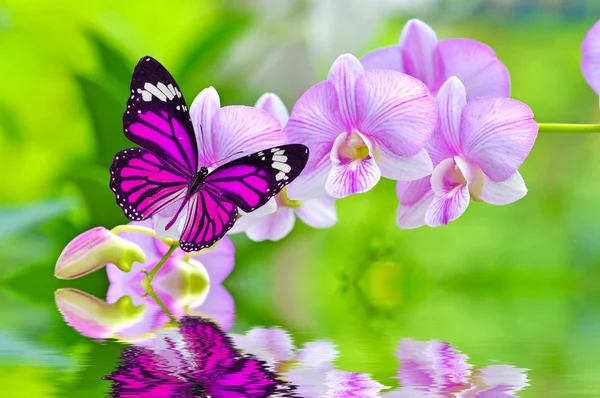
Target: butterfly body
(170, 172)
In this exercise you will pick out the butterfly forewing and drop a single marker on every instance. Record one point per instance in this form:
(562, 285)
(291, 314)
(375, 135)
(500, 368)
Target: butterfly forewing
(144, 184)
(157, 117)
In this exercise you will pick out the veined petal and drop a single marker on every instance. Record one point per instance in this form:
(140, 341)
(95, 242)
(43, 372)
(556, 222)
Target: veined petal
(505, 192)
(343, 75)
(445, 141)
(202, 110)
(242, 130)
(415, 198)
(395, 110)
(497, 134)
(418, 42)
(350, 176)
(218, 260)
(384, 58)
(590, 61)
(274, 105)
(161, 219)
(275, 226)
(315, 122)
(476, 65)
(402, 168)
(451, 194)
(318, 212)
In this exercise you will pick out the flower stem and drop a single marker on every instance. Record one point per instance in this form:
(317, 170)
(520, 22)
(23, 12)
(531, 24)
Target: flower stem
(143, 230)
(162, 261)
(162, 305)
(568, 128)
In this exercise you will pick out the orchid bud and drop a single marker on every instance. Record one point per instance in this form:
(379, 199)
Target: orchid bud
(95, 318)
(92, 250)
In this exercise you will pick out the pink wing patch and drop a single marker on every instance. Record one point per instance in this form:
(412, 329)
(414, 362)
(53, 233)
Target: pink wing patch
(144, 184)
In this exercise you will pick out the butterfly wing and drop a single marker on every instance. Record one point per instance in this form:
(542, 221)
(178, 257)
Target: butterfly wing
(143, 374)
(157, 117)
(250, 181)
(144, 184)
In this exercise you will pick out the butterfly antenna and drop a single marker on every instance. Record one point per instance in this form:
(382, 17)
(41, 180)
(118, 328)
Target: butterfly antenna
(226, 157)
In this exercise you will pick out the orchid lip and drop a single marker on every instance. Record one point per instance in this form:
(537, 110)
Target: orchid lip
(354, 146)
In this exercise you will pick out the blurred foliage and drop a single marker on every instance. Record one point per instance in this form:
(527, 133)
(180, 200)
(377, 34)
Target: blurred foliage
(517, 284)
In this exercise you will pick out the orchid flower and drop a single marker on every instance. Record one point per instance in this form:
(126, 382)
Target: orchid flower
(436, 369)
(360, 125)
(185, 285)
(223, 134)
(476, 150)
(309, 368)
(421, 55)
(317, 213)
(590, 62)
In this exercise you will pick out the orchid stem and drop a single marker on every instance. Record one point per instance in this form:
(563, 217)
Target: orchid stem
(162, 305)
(568, 128)
(162, 261)
(143, 230)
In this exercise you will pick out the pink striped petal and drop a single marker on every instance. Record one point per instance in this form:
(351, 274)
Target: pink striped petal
(242, 130)
(445, 141)
(318, 212)
(505, 192)
(203, 109)
(274, 105)
(402, 168)
(418, 42)
(476, 65)
(275, 226)
(497, 134)
(451, 194)
(415, 198)
(590, 61)
(351, 176)
(384, 58)
(395, 110)
(343, 75)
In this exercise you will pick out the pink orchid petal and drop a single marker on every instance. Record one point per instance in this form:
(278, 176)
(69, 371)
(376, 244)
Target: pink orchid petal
(343, 75)
(274, 226)
(242, 130)
(164, 217)
(403, 168)
(395, 110)
(274, 105)
(505, 192)
(123, 284)
(273, 346)
(415, 198)
(497, 134)
(268, 208)
(383, 58)
(418, 43)
(504, 380)
(315, 122)
(203, 109)
(445, 141)
(476, 65)
(242, 224)
(344, 384)
(590, 62)
(218, 261)
(351, 176)
(218, 306)
(318, 212)
(451, 195)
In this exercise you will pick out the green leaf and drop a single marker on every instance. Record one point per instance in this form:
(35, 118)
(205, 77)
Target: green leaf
(113, 62)
(100, 200)
(106, 111)
(16, 219)
(211, 47)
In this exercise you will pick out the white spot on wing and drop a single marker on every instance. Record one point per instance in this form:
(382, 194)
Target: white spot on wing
(280, 175)
(165, 90)
(282, 159)
(279, 153)
(155, 91)
(275, 150)
(281, 166)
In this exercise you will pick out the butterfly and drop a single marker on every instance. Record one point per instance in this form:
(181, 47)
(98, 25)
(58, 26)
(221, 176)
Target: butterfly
(167, 170)
(200, 361)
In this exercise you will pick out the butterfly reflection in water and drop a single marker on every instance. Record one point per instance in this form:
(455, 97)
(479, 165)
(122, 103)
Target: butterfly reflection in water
(169, 171)
(195, 360)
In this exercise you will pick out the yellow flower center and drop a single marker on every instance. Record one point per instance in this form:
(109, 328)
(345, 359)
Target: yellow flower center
(354, 147)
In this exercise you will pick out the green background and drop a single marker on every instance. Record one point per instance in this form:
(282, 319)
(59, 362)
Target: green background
(517, 284)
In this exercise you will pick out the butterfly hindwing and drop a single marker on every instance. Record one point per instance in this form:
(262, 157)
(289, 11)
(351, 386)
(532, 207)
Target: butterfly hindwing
(250, 181)
(157, 117)
(144, 183)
